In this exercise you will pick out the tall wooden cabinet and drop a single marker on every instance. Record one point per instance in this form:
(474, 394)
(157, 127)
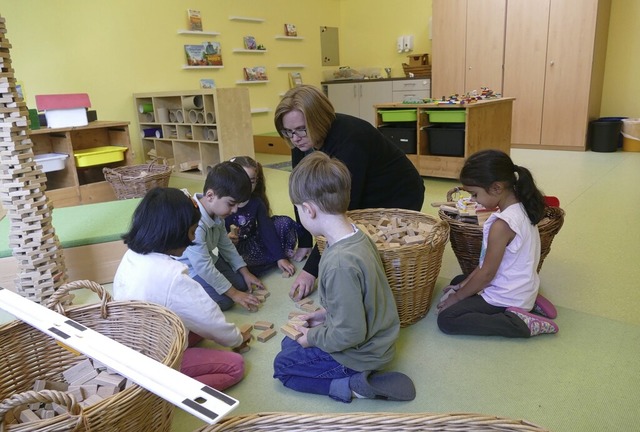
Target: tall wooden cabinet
(554, 66)
(548, 54)
(193, 130)
(467, 45)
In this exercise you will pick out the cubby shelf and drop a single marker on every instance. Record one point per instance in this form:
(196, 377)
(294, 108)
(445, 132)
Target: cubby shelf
(249, 51)
(195, 32)
(289, 37)
(291, 66)
(246, 19)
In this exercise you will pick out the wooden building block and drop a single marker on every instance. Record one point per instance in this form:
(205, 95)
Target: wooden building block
(294, 314)
(266, 335)
(309, 307)
(105, 378)
(263, 325)
(91, 400)
(106, 391)
(246, 328)
(290, 332)
(28, 416)
(78, 371)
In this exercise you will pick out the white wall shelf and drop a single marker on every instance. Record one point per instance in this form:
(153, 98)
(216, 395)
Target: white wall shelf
(201, 67)
(291, 66)
(246, 19)
(249, 51)
(195, 32)
(289, 37)
(252, 82)
(259, 110)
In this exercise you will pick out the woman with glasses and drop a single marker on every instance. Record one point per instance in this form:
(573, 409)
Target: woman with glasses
(381, 174)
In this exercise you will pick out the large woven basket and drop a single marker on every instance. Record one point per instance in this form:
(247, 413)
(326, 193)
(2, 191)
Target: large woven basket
(373, 422)
(466, 238)
(412, 270)
(133, 181)
(28, 354)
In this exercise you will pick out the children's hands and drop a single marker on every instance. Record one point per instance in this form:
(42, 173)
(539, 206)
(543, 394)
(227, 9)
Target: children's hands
(449, 298)
(314, 318)
(302, 340)
(300, 254)
(302, 286)
(250, 279)
(233, 237)
(286, 267)
(246, 300)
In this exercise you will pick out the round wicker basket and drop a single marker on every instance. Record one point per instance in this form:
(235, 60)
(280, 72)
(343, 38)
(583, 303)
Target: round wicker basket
(373, 422)
(133, 181)
(28, 354)
(411, 270)
(466, 238)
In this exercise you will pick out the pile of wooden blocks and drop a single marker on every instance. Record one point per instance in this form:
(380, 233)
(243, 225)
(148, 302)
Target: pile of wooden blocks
(393, 232)
(41, 268)
(88, 382)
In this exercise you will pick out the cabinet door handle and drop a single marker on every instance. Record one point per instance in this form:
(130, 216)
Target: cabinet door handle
(355, 91)
(360, 88)
(551, 63)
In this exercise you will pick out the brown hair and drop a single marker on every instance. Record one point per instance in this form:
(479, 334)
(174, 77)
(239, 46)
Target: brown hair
(323, 181)
(260, 190)
(315, 106)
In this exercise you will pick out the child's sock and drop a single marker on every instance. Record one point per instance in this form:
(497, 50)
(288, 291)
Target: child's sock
(537, 324)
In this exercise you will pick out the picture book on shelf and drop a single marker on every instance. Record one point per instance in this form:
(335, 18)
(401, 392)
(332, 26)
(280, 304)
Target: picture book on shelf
(250, 43)
(295, 79)
(205, 54)
(195, 20)
(258, 73)
(290, 30)
(207, 83)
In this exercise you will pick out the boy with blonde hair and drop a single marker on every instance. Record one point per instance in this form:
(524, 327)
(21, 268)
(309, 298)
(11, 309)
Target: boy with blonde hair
(353, 335)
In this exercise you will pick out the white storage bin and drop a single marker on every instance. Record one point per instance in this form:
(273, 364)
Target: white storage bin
(51, 161)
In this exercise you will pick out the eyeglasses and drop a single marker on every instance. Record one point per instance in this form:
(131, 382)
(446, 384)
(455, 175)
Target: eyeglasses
(300, 133)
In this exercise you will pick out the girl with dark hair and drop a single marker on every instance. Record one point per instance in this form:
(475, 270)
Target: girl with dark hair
(498, 297)
(163, 226)
(264, 241)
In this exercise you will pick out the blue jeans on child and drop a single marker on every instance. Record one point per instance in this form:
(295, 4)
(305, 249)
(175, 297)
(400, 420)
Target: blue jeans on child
(236, 279)
(311, 370)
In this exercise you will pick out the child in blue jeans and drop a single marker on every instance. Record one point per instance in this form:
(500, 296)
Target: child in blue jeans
(352, 337)
(213, 260)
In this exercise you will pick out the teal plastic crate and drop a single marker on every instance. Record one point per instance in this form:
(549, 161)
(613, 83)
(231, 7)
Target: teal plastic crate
(399, 115)
(447, 116)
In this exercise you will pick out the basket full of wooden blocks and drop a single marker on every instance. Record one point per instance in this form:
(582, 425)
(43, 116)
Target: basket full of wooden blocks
(35, 370)
(411, 245)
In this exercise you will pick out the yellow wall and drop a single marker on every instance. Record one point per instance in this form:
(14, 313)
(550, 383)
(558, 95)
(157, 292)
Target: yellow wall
(111, 49)
(621, 89)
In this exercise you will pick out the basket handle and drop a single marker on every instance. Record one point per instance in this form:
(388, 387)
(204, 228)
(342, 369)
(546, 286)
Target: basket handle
(57, 299)
(439, 233)
(42, 396)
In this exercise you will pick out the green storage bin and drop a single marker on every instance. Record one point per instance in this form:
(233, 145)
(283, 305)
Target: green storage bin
(399, 115)
(447, 116)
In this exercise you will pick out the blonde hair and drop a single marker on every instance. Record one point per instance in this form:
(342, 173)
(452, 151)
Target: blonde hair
(316, 108)
(323, 181)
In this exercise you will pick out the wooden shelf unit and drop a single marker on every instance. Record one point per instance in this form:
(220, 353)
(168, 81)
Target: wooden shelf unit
(487, 126)
(221, 131)
(75, 185)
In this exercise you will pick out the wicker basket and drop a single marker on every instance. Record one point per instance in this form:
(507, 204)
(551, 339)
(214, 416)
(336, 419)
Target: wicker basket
(412, 270)
(466, 238)
(28, 354)
(374, 422)
(133, 181)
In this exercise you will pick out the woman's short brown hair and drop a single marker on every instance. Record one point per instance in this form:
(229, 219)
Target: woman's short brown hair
(315, 106)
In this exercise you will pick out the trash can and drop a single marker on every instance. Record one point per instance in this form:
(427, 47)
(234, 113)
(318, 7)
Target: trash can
(604, 134)
(631, 135)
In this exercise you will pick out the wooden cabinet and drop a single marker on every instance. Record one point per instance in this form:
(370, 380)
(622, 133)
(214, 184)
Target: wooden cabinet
(487, 125)
(467, 46)
(83, 183)
(193, 130)
(548, 54)
(554, 65)
(358, 98)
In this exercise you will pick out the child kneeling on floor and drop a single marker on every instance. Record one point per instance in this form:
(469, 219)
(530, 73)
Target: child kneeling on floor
(498, 297)
(353, 335)
(163, 225)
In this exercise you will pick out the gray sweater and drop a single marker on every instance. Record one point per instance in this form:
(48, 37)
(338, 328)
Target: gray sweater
(362, 322)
